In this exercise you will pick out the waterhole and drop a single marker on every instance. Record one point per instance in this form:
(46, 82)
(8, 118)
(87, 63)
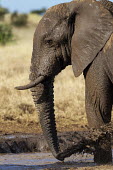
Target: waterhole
(37, 161)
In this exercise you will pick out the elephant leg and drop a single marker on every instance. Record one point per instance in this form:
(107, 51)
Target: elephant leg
(98, 103)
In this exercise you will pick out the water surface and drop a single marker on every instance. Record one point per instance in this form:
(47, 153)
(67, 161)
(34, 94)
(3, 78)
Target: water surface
(34, 161)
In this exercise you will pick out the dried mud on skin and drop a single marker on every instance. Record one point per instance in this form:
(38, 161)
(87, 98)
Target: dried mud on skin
(71, 142)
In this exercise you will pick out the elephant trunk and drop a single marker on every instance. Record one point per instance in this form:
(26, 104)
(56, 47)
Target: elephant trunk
(44, 101)
(108, 5)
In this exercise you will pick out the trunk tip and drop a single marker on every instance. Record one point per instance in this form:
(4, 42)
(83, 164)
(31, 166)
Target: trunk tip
(60, 156)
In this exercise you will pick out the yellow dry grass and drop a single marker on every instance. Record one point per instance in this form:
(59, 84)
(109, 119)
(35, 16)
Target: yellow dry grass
(17, 106)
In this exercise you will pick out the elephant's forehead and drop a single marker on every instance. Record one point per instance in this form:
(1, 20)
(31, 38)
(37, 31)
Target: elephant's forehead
(53, 16)
(46, 25)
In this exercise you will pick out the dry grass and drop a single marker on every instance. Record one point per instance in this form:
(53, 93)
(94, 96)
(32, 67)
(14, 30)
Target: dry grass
(69, 98)
(17, 106)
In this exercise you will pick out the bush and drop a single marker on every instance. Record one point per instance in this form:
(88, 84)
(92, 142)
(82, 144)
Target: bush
(3, 11)
(19, 19)
(40, 12)
(5, 33)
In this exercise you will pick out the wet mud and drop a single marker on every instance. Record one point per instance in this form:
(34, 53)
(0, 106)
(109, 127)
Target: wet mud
(72, 142)
(32, 161)
(18, 151)
(42, 161)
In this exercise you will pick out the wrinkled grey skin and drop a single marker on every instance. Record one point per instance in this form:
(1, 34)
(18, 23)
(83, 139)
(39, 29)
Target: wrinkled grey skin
(76, 33)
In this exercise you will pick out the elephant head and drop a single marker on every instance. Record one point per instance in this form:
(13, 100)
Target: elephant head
(69, 33)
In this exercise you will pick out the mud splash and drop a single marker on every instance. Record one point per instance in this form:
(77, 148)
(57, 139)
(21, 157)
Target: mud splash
(70, 142)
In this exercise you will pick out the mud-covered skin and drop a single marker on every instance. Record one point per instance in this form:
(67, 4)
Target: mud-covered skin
(69, 33)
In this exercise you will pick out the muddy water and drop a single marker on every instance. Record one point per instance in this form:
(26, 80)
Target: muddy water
(46, 161)
(31, 161)
(11, 144)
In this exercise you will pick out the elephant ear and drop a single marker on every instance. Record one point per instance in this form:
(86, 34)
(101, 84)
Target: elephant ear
(93, 27)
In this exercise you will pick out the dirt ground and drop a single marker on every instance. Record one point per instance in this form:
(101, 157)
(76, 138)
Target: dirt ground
(14, 127)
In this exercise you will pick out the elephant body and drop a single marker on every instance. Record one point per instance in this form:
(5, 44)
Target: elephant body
(99, 98)
(99, 87)
(78, 33)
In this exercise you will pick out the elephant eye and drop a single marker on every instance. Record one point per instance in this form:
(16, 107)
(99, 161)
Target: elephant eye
(49, 42)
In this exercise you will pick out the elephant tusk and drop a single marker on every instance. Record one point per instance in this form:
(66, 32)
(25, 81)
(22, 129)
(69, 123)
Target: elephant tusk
(32, 84)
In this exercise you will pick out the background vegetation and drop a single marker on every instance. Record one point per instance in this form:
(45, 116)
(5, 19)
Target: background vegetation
(39, 11)
(6, 34)
(19, 20)
(3, 11)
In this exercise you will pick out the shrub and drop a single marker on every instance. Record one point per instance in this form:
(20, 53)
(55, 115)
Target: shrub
(19, 19)
(3, 11)
(40, 12)
(5, 33)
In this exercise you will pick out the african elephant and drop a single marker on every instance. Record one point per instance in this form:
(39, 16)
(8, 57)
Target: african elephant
(78, 33)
